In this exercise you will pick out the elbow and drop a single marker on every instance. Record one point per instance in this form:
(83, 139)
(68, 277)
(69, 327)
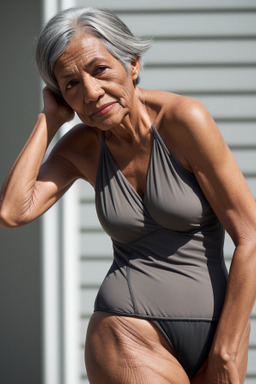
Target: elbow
(7, 220)
(247, 249)
(251, 242)
(245, 236)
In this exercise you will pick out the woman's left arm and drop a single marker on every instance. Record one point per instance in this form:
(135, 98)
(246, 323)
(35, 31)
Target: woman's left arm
(223, 184)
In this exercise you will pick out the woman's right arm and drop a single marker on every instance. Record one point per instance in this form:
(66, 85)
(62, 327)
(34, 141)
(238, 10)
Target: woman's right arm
(30, 187)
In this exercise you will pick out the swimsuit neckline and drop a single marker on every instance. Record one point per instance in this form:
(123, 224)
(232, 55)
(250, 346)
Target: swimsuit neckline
(124, 178)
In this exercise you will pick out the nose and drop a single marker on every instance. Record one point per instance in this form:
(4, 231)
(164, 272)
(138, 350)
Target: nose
(93, 90)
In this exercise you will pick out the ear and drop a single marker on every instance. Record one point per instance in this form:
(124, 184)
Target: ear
(135, 68)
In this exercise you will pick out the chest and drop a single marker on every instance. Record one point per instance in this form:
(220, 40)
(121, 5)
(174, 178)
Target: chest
(133, 163)
(172, 198)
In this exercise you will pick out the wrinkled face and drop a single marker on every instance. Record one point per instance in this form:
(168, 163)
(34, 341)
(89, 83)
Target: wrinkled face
(94, 83)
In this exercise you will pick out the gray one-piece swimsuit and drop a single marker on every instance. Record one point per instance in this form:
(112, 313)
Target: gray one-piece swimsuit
(168, 253)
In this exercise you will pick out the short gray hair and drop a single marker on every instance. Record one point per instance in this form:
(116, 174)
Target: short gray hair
(103, 24)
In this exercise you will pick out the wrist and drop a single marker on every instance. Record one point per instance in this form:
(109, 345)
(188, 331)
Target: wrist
(53, 120)
(222, 353)
(49, 125)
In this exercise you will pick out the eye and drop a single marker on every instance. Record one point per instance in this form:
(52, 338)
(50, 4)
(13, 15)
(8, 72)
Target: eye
(71, 84)
(99, 70)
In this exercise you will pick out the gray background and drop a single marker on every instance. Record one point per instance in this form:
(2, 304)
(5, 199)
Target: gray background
(20, 255)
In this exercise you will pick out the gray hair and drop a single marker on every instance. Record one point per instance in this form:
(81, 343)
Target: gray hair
(103, 24)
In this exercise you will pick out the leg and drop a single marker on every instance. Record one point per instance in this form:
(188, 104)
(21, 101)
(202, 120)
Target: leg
(122, 350)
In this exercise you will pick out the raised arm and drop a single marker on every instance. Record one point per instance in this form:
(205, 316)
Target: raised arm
(223, 184)
(30, 189)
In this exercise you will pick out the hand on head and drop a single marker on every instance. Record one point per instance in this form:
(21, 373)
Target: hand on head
(56, 107)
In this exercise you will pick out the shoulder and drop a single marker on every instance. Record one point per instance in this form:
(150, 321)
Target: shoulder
(183, 117)
(185, 111)
(79, 138)
(173, 109)
(79, 149)
(189, 130)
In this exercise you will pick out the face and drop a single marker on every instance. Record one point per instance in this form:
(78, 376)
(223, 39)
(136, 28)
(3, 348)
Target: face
(94, 83)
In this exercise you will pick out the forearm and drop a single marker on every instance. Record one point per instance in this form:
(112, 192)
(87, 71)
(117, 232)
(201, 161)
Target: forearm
(240, 298)
(18, 190)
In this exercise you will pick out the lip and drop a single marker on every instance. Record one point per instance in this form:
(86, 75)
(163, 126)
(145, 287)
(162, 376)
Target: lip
(104, 109)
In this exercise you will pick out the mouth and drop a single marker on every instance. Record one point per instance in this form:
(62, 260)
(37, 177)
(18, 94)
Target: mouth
(104, 109)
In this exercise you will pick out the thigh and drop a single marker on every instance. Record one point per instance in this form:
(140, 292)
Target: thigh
(122, 350)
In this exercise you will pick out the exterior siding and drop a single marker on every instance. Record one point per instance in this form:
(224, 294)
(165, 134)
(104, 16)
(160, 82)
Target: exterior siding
(205, 49)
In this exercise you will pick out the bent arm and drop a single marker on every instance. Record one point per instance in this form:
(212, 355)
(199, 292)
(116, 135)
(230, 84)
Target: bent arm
(228, 194)
(30, 189)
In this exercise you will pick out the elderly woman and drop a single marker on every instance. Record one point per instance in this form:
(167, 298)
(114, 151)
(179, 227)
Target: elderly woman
(166, 186)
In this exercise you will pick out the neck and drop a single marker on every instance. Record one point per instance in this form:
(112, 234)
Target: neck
(135, 124)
